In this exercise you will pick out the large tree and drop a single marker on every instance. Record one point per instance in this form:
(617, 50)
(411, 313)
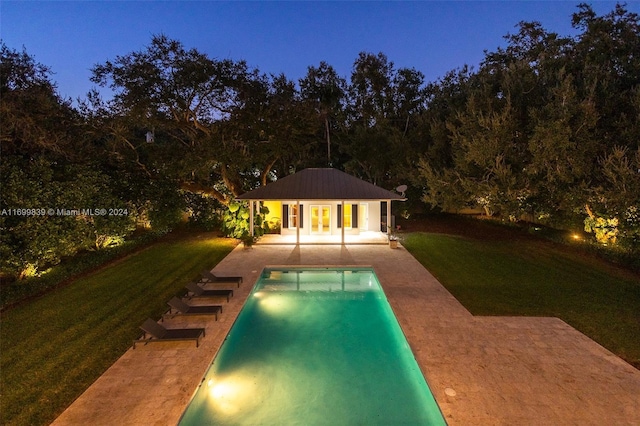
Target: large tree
(547, 127)
(35, 119)
(382, 102)
(326, 92)
(49, 165)
(216, 123)
(178, 94)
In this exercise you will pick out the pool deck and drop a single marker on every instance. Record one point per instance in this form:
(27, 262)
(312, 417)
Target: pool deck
(481, 370)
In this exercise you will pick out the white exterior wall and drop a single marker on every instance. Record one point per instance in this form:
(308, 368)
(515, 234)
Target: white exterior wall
(373, 222)
(374, 216)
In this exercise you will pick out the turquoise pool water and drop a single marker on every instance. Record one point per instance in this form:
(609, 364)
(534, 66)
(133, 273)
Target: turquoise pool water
(314, 347)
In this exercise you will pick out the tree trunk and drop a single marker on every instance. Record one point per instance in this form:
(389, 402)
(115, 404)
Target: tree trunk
(326, 129)
(265, 172)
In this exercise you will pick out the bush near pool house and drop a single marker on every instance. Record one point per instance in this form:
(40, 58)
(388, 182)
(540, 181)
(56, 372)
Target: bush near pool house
(235, 221)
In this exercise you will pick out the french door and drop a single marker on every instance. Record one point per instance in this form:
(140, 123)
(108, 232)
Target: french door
(321, 219)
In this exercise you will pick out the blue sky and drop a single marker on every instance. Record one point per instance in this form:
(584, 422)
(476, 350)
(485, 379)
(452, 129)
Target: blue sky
(433, 37)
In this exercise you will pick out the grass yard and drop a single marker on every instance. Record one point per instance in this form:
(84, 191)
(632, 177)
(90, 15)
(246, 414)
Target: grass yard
(530, 277)
(54, 347)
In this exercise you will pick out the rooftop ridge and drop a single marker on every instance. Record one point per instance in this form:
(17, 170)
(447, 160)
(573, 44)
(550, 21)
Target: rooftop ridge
(320, 183)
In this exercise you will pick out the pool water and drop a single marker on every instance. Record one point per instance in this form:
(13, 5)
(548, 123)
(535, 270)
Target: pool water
(314, 347)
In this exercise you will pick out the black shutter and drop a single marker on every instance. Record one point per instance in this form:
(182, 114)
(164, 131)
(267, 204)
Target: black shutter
(339, 215)
(383, 216)
(354, 216)
(301, 216)
(285, 216)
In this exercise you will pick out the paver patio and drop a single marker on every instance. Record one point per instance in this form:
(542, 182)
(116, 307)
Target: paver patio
(481, 370)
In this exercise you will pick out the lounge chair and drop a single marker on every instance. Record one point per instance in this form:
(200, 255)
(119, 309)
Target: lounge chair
(198, 291)
(184, 309)
(160, 334)
(209, 277)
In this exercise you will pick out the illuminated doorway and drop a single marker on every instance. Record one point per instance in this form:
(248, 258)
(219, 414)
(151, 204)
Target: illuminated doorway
(321, 219)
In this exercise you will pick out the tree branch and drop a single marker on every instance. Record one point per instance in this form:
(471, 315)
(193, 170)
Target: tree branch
(197, 188)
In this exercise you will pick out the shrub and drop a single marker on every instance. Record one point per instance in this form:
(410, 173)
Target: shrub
(235, 222)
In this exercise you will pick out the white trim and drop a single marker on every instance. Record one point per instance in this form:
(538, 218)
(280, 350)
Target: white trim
(342, 222)
(389, 217)
(291, 216)
(251, 218)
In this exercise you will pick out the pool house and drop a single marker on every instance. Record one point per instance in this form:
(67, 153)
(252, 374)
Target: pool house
(325, 205)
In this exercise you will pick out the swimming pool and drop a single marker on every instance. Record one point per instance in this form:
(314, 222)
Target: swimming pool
(314, 346)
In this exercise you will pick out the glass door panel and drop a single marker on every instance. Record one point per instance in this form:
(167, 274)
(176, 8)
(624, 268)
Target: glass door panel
(326, 219)
(321, 219)
(314, 218)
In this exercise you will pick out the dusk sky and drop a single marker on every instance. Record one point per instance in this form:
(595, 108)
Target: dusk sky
(433, 37)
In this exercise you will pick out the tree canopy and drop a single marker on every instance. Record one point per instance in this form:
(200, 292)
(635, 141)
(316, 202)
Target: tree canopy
(547, 129)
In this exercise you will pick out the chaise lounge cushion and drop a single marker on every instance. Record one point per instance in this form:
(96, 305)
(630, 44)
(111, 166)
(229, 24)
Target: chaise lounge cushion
(159, 333)
(184, 309)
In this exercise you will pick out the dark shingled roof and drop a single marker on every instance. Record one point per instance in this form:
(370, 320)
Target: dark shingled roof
(320, 184)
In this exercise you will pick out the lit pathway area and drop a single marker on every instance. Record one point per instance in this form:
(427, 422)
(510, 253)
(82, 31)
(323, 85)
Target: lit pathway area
(481, 370)
(364, 237)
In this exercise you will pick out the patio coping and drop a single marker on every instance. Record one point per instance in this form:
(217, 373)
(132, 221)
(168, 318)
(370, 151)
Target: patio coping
(481, 370)
(362, 238)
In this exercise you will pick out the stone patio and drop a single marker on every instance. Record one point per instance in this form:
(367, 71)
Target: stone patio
(481, 370)
(364, 237)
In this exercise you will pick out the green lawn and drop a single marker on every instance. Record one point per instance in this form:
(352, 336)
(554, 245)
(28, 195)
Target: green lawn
(54, 347)
(537, 278)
